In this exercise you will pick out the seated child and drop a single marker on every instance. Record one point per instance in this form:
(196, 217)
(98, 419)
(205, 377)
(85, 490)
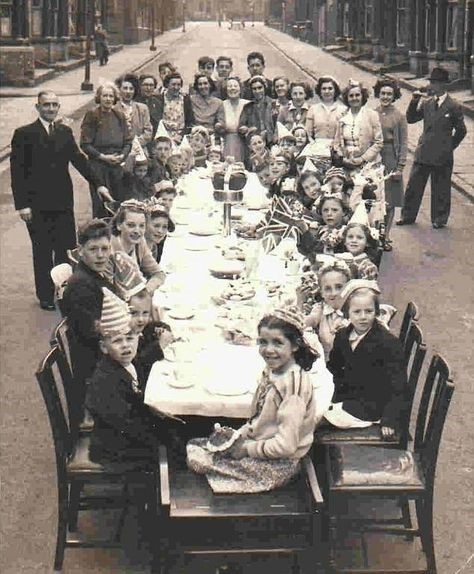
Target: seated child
(359, 242)
(137, 184)
(327, 238)
(160, 151)
(214, 155)
(325, 317)
(258, 152)
(125, 429)
(301, 139)
(175, 165)
(367, 364)
(262, 171)
(199, 140)
(154, 336)
(336, 181)
(285, 410)
(308, 192)
(165, 195)
(158, 226)
(279, 171)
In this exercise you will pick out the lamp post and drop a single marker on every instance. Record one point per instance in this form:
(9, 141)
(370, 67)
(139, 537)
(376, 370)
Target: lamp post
(283, 16)
(184, 16)
(87, 85)
(152, 17)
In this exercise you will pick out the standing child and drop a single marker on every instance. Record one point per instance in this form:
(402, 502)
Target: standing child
(367, 364)
(285, 410)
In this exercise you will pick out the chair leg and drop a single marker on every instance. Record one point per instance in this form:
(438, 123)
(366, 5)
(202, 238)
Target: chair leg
(63, 503)
(123, 513)
(74, 497)
(407, 523)
(425, 523)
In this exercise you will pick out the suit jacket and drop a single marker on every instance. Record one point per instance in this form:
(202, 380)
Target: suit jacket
(40, 167)
(188, 111)
(153, 108)
(140, 122)
(370, 381)
(124, 427)
(443, 129)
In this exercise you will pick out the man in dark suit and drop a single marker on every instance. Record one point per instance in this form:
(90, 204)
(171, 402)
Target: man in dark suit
(42, 189)
(443, 131)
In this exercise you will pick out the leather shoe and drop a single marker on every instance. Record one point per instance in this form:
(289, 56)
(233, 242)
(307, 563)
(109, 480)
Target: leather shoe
(438, 225)
(404, 222)
(47, 306)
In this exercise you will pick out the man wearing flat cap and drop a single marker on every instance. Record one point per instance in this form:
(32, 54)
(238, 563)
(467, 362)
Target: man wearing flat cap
(443, 131)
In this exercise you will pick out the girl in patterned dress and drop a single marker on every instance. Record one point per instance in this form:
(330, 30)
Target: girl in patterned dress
(286, 407)
(359, 242)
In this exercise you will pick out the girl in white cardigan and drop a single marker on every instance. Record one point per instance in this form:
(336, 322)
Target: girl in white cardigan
(290, 400)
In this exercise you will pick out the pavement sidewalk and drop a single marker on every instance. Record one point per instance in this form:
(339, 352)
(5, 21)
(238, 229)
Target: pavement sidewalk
(311, 58)
(17, 105)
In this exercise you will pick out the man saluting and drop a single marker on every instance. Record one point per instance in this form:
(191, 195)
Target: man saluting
(42, 189)
(443, 131)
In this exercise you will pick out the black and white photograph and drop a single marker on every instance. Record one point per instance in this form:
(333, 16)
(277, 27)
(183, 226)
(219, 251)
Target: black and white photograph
(236, 294)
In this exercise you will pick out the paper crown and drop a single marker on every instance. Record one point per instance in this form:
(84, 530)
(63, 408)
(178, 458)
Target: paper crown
(115, 317)
(135, 203)
(354, 285)
(137, 152)
(291, 315)
(185, 145)
(283, 132)
(335, 172)
(162, 132)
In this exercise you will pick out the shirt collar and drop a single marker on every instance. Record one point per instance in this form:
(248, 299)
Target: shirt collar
(442, 98)
(45, 124)
(291, 106)
(328, 310)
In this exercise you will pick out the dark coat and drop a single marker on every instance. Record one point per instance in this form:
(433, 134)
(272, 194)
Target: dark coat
(154, 107)
(250, 117)
(247, 91)
(188, 111)
(443, 130)
(40, 167)
(124, 427)
(370, 381)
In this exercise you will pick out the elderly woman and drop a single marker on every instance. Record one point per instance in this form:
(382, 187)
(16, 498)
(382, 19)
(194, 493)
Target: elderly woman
(394, 151)
(281, 93)
(294, 114)
(233, 106)
(106, 139)
(257, 114)
(358, 137)
(175, 108)
(207, 109)
(128, 236)
(323, 117)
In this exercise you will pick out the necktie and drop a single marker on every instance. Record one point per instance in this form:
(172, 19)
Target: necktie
(51, 129)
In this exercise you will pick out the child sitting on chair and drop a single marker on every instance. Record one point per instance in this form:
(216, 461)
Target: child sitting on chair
(267, 450)
(158, 226)
(137, 184)
(125, 429)
(367, 364)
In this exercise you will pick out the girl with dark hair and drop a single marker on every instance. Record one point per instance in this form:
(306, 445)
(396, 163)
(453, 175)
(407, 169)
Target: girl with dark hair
(257, 114)
(158, 226)
(295, 112)
(288, 403)
(394, 151)
(174, 108)
(358, 137)
(359, 242)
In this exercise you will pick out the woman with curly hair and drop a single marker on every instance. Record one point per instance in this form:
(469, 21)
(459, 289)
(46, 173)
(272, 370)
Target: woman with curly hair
(394, 151)
(281, 93)
(323, 117)
(294, 114)
(208, 110)
(358, 139)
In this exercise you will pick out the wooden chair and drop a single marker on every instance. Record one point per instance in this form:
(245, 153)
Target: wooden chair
(356, 471)
(74, 468)
(411, 314)
(200, 523)
(414, 352)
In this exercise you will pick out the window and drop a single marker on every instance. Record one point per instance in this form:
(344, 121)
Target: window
(452, 25)
(6, 10)
(368, 18)
(402, 23)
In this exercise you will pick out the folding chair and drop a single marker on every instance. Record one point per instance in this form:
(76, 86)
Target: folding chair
(361, 472)
(411, 314)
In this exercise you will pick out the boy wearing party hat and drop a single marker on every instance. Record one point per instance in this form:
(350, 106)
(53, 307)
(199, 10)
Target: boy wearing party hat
(125, 429)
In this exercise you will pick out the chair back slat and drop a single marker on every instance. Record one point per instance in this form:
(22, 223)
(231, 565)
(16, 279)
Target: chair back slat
(432, 412)
(411, 314)
(414, 352)
(47, 375)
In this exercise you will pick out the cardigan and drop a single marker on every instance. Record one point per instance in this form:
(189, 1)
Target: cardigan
(140, 123)
(104, 133)
(142, 256)
(394, 125)
(371, 380)
(285, 425)
(370, 136)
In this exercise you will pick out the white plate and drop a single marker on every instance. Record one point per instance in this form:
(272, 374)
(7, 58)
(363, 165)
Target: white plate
(227, 267)
(203, 231)
(178, 313)
(183, 384)
(226, 391)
